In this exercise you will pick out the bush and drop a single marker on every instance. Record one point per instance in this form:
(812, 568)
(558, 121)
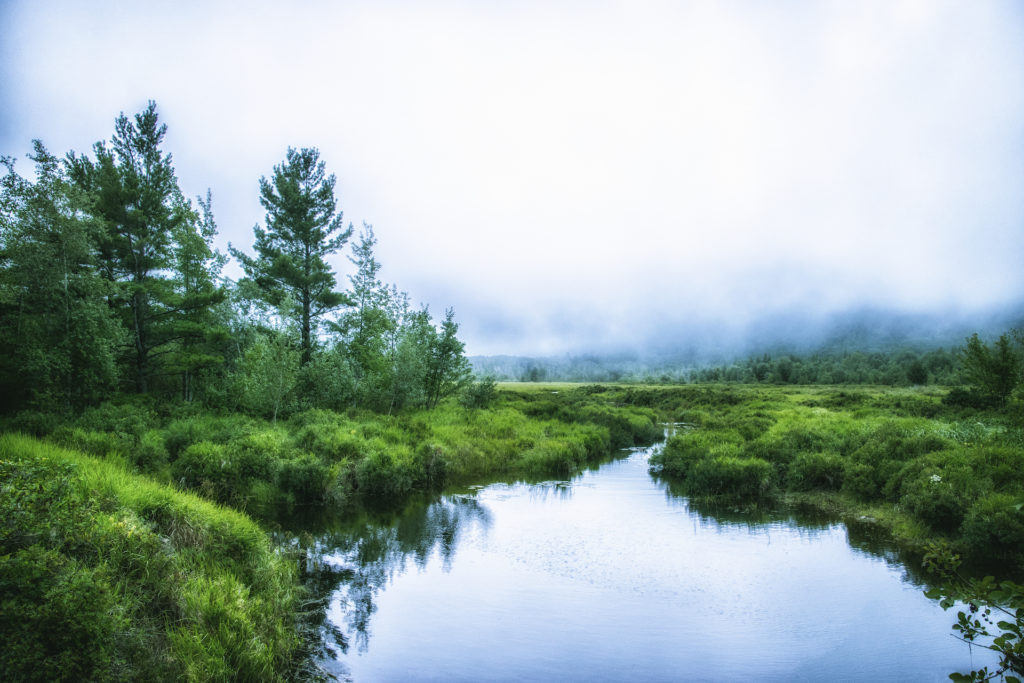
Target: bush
(100, 444)
(810, 471)
(681, 452)
(561, 457)
(150, 455)
(208, 468)
(971, 398)
(304, 477)
(59, 618)
(383, 476)
(34, 423)
(731, 477)
(993, 529)
(128, 420)
(479, 394)
(933, 501)
(859, 481)
(332, 441)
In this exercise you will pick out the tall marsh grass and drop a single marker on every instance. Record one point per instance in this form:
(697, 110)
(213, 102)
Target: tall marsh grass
(105, 574)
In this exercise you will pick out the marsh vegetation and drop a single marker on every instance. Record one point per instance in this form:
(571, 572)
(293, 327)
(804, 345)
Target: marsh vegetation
(168, 432)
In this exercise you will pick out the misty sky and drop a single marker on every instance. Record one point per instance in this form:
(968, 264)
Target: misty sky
(573, 175)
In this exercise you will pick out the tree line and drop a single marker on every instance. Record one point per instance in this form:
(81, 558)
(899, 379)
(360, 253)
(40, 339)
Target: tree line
(110, 283)
(983, 373)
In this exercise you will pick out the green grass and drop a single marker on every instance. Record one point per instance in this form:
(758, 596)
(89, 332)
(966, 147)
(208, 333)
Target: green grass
(126, 554)
(924, 470)
(105, 574)
(121, 556)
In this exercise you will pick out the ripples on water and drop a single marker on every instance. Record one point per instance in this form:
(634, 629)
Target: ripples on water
(611, 576)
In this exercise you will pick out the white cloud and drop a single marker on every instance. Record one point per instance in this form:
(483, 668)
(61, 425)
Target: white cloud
(579, 165)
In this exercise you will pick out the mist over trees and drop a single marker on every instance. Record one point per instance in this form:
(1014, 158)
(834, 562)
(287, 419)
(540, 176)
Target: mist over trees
(109, 282)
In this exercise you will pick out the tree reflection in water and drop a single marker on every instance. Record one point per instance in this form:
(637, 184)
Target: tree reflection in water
(345, 563)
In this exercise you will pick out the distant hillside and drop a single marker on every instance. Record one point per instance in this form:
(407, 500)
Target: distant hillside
(824, 343)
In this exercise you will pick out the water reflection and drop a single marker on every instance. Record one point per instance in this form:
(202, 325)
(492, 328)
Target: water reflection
(619, 569)
(862, 534)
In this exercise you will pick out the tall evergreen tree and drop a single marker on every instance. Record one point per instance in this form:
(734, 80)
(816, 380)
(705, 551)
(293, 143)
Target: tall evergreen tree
(303, 228)
(993, 371)
(198, 334)
(57, 334)
(135, 193)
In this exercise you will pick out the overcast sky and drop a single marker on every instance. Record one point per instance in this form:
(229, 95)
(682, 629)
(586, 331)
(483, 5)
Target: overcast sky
(582, 174)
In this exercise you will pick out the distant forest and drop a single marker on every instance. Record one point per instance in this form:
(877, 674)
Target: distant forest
(898, 367)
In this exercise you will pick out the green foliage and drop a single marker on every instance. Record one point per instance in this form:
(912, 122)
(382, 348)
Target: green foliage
(816, 471)
(479, 394)
(951, 475)
(58, 335)
(210, 469)
(327, 381)
(447, 368)
(934, 501)
(305, 477)
(993, 618)
(916, 372)
(994, 371)
(388, 475)
(266, 376)
(109, 576)
(153, 249)
(303, 229)
(733, 477)
(994, 528)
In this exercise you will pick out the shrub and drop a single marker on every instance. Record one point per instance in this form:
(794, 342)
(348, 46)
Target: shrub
(383, 476)
(59, 618)
(150, 455)
(810, 471)
(993, 528)
(933, 501)
(35, 423)
(479, 394)
(971, 398)
(208, 468)
(332, 441)
(100, 444)
(681, 452)
(860, 481)
(562, 457)
(129, 420)
(305, 477)
(731, 477)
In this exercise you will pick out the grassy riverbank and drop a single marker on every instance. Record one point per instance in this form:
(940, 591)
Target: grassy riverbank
(107, 575)
(924, 470)
(120, 555)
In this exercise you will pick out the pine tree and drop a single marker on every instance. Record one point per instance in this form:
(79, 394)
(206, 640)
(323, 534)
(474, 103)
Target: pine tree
(135, 194)
(57, 335)
(303, 228)
(198, 335)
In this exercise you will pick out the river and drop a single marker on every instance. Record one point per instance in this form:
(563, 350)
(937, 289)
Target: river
(611, 576)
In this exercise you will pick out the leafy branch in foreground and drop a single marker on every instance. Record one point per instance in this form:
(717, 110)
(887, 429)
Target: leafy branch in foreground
(993, 619)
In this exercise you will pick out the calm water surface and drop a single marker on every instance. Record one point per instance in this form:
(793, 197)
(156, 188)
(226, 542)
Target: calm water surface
(612, 577)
